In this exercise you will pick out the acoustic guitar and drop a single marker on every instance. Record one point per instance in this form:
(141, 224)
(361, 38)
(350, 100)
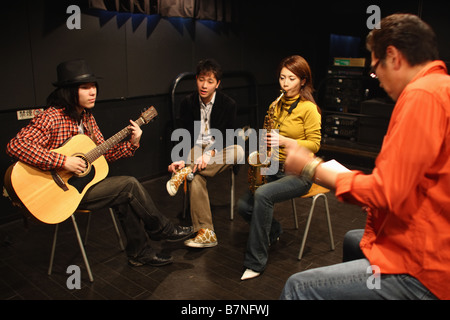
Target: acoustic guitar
(53, 196)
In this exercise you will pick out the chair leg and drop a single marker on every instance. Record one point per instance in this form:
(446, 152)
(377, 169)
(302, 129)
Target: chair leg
(308, 222)
(330, 230)
(232, 196)
(185, 203)
(88, 226)
(83, 252)
(294, 210)
(52, 255)
(116, 227)
(80, 242)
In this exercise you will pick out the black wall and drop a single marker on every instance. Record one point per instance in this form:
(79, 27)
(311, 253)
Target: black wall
(138, 58)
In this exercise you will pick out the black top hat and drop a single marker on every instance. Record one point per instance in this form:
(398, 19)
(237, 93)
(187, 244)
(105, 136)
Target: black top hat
(74, 72)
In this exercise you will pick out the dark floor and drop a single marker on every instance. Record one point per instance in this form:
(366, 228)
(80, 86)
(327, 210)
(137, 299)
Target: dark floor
(196, 274)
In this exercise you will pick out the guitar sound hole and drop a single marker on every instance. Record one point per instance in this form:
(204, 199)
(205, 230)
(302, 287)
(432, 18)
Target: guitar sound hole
(80, 182)
(88, 166)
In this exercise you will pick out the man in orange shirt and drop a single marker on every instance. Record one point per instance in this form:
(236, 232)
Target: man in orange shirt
(404, 251)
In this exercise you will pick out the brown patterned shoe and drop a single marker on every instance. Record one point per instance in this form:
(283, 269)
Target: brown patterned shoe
(177, 180)
(206, 238)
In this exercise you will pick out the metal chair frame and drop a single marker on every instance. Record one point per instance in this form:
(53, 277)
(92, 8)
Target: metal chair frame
(80, 241)
(314, 197)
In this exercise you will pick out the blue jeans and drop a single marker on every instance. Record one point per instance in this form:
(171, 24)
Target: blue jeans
(352, 280)
(136, 211)
(257, 209)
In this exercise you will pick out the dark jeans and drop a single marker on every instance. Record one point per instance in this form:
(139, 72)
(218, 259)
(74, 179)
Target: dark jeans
(257, 209)
(137, 213)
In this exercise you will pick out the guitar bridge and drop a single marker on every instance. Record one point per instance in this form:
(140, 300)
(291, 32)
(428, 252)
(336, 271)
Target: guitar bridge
(59, 181)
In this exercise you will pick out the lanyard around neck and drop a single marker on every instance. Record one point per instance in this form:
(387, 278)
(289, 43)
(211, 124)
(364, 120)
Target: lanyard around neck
(292, 107)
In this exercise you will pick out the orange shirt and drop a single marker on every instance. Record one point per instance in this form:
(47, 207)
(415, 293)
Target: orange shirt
(408, 193)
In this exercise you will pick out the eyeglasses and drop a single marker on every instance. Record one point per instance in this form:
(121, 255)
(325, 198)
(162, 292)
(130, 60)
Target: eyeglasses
(373, 70)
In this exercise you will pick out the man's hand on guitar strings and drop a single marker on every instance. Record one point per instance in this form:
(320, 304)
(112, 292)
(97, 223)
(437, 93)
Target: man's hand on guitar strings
(136, 133)
(76, 165)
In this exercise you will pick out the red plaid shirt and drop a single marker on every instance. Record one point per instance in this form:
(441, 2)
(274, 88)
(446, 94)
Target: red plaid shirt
(49, 130)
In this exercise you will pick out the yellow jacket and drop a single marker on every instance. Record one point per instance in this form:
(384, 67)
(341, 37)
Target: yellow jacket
(302, 124)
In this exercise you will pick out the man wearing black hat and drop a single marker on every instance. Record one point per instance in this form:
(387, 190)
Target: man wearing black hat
(67, 115)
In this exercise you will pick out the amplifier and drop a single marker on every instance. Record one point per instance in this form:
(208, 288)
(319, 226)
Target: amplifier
(340, 120)
(340, 126)
(343, 94)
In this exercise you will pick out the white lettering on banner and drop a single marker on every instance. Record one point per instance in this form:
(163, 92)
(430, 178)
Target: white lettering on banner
(28, 113)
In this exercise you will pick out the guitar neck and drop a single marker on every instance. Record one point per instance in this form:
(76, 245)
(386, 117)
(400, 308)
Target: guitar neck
(101, 149)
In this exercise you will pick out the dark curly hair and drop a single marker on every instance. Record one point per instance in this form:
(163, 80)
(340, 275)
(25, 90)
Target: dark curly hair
(414, 38)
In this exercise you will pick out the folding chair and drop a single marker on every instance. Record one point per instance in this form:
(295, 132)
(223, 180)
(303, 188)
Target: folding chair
(314, 193)
(80, 241)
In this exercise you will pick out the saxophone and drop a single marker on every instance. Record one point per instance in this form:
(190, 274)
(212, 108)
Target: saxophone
(261, 159)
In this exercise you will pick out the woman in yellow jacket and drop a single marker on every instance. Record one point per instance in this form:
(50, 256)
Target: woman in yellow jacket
(297, 119)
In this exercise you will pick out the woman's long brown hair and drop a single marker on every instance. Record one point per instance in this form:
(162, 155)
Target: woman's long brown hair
(300, 67)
